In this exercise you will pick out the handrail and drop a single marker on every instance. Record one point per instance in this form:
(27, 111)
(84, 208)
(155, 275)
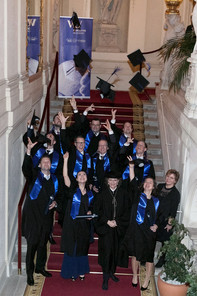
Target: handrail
(46, 109)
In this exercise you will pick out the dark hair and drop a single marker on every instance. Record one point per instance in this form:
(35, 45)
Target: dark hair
(96, 119)
(45, 156)
(129, 123)
(154, 191)
(86, 184)
(79, 136)
(175, 173)
(55, 116)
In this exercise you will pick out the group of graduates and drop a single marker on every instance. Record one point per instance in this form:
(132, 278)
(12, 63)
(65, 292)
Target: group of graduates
(99, 182)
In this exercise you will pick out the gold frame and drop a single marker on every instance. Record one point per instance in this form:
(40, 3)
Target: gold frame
(172, 6)
(40, 66)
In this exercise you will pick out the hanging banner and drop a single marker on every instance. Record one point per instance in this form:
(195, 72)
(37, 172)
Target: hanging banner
(70, 81)
(33, 43)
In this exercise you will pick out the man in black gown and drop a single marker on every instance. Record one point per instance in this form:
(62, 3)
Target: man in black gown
(43, 195)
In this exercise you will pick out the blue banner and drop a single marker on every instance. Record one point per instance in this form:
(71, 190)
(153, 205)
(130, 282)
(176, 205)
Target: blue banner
(33, 46)
(72, 82)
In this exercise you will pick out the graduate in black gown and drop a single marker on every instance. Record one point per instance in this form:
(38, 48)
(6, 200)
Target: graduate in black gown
(76, 231)
(112, 207)
(141, 233)
(44, 194)
(169, 198)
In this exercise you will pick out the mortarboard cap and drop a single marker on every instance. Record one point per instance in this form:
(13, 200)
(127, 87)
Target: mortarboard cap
(105, 89)
(136, 57)
(82, 59)
(35, 119)
(42, 139)
(139, 82)
(113, 175)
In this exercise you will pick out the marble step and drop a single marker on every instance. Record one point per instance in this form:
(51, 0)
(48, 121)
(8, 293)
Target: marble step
(149, 122)
(150, 113)
(151, 130)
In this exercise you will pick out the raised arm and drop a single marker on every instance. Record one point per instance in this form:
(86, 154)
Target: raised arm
(65, 170)
(131, 168)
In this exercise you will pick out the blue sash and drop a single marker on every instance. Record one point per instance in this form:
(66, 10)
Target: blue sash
(142, 208)
(122, 140)
(61, 149)
(54, 163)
(77, 202)
(125, 174)
(88, 138)
(79, 162)
(38, 185)
(36, 158)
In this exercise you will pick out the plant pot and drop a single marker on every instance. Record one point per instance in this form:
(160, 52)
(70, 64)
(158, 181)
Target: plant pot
(166, 289)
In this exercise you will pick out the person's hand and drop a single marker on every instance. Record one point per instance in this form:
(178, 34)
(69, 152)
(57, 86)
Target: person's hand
(90, 108)
(130, 159)
(30, 145)
(95, 189)
(53, 205)
(89, 213)
(168, 227)
(111, 223)
(66, 156)
(130, 140)
(73, 103)
(113, 114)
(62, 118)
(107, 125)
(154, 228)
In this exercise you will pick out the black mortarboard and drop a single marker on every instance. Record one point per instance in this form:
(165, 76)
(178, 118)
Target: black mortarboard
(35, 119)
(139, 82)
(105, 89)
(82, 59)
(136, 57)
(42, 139)
(113, 175)
(75, 21)
(138, 162)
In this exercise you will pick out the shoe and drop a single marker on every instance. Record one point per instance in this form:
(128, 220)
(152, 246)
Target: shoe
(73, 279)
(134, 285)
(144, 289)
(82, 277)
(43, 272)
(30, 280)
(51, 240)
(114, 278)
(105, 284)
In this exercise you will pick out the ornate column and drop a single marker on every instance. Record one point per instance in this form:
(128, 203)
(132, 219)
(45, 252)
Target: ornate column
(191, 91)
(174, 28)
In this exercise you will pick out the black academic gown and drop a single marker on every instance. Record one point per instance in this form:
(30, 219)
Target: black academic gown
(110, 238)
(76, 232)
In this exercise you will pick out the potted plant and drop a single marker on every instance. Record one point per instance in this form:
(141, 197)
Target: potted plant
(178, 270)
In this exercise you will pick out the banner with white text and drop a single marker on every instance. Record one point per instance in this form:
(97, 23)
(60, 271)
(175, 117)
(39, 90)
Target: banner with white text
(70, 81)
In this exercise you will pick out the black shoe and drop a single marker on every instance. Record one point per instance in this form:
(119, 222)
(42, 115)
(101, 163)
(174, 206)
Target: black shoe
(43, 272)
(114, 278)
(30, 280)
(144, 289)
(105, 284)
(51, 240)
(82, 278)
(134, 285)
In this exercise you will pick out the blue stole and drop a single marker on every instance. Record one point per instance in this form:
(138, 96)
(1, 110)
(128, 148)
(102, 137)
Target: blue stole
(53, 131)
(125, 174)
(38, 185)
(77, 202)
(88, 138)
(142, 207)
(54, 163)
(79, 162)
(106, 164)
(123, 140)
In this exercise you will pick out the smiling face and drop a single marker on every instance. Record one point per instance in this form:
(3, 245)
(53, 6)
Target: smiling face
(56, 121)
(140, 148)
(113, 183)
(81, 177)
(45, 165)
(127, 128)
(102, 147)
(95, 126)
(80, 144)
(148, 185)
(170, 180)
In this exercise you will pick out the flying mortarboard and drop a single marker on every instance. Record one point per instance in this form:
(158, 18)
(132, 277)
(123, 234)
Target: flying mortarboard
(105, 89)
(82, 59)
(35, 119)
(139, 82)
(136, 57)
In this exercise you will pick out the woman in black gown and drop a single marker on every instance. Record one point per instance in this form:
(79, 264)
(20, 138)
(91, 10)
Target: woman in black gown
(76, 231)
(141, 234)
